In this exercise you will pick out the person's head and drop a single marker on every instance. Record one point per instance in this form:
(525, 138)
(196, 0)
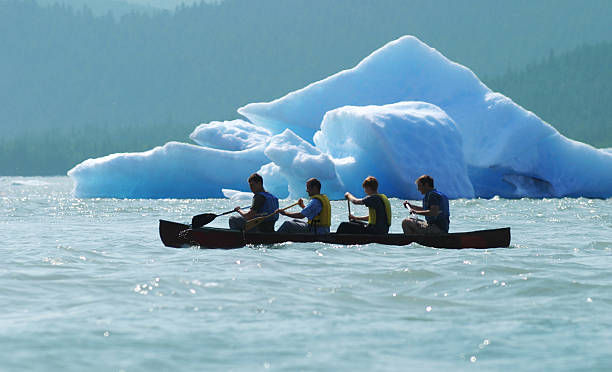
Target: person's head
(425, 184)
(256, 183)
(370, 185)
(313, 187)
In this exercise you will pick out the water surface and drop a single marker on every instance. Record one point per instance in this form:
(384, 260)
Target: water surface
(86, 284)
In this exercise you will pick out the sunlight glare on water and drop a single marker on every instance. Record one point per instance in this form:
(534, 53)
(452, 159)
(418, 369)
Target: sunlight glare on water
(88, 285)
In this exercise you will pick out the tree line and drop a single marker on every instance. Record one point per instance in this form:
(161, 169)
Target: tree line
(76, 85)
(571, 91)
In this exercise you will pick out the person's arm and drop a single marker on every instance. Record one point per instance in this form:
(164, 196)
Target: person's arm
(246, 215)
(356, 218)
(412, 207)
(291, 214)
(312, 209)
(353, 199)
(434, 207)
(433, 211)
(256, 205)
(356, 201)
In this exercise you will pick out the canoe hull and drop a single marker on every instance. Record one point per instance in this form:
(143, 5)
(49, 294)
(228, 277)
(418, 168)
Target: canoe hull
(177, 235)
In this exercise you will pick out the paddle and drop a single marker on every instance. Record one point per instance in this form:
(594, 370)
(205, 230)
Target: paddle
(413, 215)
(256, 221)
(348, 202)
(206, 218)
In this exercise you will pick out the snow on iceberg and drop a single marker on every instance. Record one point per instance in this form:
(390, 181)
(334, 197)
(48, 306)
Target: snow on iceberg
(402, 111)
(397, 143)
(232, 135)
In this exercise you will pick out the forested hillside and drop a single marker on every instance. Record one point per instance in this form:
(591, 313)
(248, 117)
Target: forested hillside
(75, 85)
(572, 92)
(121, 7)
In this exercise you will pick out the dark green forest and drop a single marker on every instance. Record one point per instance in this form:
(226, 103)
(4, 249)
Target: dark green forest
(572, 92)
(76, 85)
(100, 7)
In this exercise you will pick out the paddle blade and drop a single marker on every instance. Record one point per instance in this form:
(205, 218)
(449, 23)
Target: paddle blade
(202, 219)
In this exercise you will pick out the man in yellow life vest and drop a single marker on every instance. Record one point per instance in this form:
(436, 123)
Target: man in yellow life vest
(318, 213)
(379, 218)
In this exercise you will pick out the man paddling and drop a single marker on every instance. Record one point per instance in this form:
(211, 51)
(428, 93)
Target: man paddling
(263, 204)
(317, 212)
(435, 209)
(379, 218)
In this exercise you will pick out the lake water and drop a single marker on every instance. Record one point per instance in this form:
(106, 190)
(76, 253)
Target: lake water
(87, 285)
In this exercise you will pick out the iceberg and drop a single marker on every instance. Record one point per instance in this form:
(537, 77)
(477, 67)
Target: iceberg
(175, 170)
(508, 150)
(232, 135)
(388, 142)
(403, 111)
(237, 196)
(295, 160)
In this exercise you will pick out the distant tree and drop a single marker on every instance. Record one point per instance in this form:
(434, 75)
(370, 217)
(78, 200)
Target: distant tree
(571, 91)
(117, 79)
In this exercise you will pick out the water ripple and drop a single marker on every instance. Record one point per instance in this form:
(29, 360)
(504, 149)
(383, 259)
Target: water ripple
(87, 284)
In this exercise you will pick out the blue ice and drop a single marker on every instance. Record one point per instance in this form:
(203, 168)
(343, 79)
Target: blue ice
(403, 111)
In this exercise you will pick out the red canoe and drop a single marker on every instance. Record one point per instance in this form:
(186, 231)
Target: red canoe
(178, 235)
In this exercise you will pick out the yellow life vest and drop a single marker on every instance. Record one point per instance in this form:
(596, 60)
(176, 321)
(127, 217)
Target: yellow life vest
(372, 217)
(324, 217)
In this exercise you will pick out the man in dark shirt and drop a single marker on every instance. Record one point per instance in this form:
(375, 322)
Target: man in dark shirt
(435, 209)
(379, 218)
(263, 204)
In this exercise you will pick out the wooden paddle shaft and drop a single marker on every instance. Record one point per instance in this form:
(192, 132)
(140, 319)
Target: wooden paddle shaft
(348, 202)
(206, 218)
(232, 211)
(256, 221)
